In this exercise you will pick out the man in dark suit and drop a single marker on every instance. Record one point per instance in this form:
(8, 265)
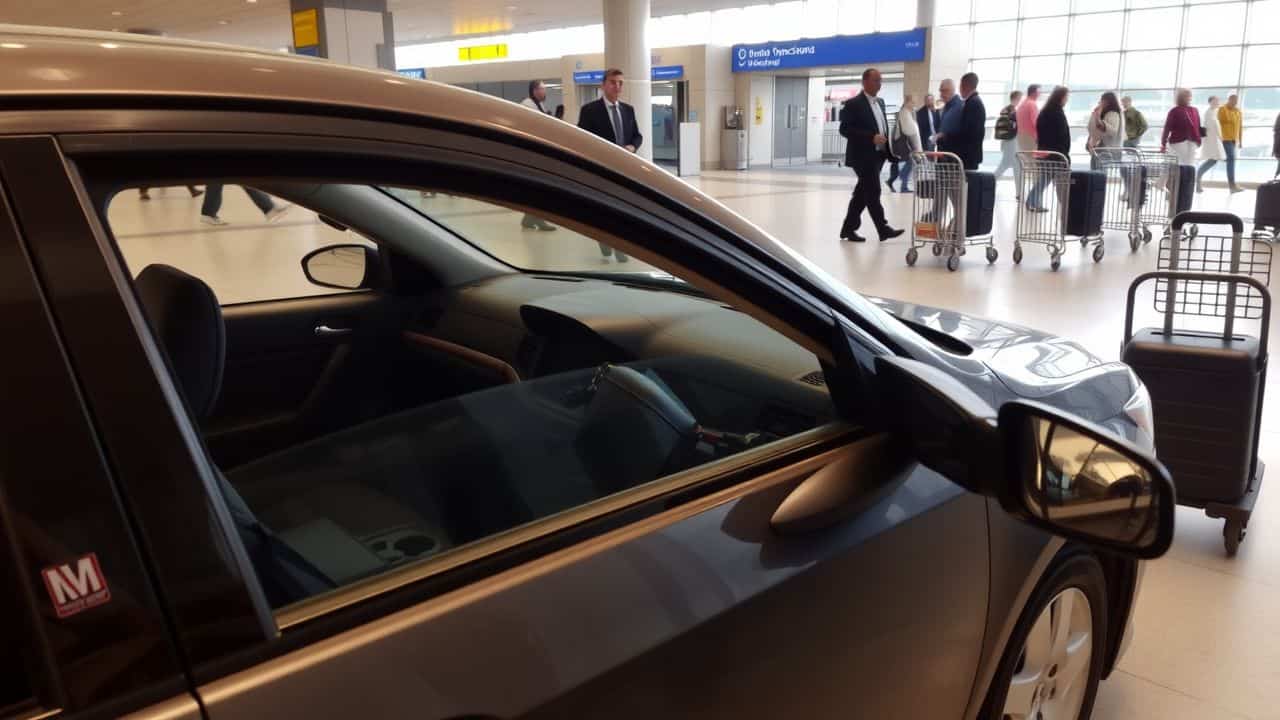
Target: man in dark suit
(967, 143)
(929, 122)
(615, 121)
(611, 118)
(864, 123)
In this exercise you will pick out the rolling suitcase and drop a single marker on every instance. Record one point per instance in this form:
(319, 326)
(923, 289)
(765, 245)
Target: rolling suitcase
(1186, 188)
(981, 207)
(1206, 387)
(1266, 210)
(1085, 203)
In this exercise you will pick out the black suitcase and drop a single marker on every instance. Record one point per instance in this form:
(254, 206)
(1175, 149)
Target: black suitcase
(1186, 188)
(1266, 207)
(1086, 201)
(981, 209)
(1206, 387)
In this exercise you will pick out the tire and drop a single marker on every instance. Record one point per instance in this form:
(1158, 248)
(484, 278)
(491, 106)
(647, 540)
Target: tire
(992, 255)
(937, 249)
(1017, 254)
(1098, 252)
(1146, 235)
(953, 262)
(1058, 676)
(1232, 535)
(912, 256)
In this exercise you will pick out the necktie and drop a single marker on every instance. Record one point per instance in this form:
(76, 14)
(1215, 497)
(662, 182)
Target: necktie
(617, 124)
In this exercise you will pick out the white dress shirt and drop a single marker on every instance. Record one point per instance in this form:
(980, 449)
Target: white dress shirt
(876, 110)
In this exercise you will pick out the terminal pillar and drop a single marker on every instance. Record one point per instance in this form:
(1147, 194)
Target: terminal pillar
(351, 32)
(626, 47)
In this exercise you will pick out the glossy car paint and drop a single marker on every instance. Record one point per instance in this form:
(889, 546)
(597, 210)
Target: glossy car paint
(549, 625)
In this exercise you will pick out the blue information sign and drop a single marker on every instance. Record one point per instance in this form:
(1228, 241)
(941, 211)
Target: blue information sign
(415, 73)
(905, 46)
(658, 72)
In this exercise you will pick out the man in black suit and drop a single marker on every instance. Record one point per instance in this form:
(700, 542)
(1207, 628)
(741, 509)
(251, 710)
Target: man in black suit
(615, 121)
(929, 121)
(967, 143)
(864, 123)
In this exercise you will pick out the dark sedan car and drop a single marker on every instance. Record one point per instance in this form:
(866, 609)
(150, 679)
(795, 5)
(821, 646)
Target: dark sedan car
(395, 454)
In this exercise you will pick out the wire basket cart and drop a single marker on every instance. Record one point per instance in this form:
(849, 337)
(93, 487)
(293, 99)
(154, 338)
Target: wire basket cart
(940, 208)
(1205, 378)
(1045, 183)
(1126, 191)
(1161, 192)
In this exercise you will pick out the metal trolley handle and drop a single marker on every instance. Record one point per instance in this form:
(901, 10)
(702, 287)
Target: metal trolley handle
(1207, 218)
(1232, 280)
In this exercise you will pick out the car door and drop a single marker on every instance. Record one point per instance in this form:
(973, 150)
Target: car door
(685, 596)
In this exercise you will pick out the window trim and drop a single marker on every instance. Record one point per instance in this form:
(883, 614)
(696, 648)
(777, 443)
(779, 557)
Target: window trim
(392, 590)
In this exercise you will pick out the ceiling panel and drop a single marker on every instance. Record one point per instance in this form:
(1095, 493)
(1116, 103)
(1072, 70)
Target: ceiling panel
(265, 23)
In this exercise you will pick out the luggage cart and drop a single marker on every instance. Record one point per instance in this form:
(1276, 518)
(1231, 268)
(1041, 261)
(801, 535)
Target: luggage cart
(1048, 176)
(940, 208)
(1207, 387)
(1160, 194)
(1126, 191)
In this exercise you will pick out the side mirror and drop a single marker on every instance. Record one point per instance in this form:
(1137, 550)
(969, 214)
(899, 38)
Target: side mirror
(1077, 480)
(345, 267)
(1045, 466)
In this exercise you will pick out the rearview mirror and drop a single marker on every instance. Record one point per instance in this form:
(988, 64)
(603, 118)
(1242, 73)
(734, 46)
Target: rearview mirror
(1080, 481)
(1046, 466)
(345, 267)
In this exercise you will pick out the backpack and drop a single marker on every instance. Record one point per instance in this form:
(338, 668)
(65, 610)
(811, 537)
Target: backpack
(1007, 124)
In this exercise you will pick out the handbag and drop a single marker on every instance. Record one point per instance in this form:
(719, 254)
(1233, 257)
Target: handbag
(900, 145)
(1203, 132)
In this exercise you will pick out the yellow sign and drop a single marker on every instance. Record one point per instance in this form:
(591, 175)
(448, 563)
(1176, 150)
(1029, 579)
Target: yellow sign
(759, 111)
(482, 52)
(306, 28)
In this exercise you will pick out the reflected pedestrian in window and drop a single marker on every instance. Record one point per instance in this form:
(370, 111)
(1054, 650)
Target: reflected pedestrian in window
(213, 204)
(536, 101)
(144, 193)
(1231, 120)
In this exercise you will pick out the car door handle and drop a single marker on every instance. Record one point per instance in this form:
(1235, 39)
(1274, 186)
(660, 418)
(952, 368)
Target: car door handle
(842, 489)
(323, 330)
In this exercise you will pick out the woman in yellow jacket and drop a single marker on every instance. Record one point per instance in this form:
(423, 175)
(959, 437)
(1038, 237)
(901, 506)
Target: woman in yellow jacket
(1232, 135)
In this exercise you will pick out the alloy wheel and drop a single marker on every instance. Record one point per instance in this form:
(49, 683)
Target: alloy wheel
(1052, 677)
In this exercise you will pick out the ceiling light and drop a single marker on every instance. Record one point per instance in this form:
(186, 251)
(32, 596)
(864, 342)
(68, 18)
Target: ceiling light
(109, 46)
(282, 49)
(116, 13)
(224, 22)
(12, 46)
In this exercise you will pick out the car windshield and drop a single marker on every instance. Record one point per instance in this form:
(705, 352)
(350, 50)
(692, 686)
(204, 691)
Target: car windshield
(526, 242)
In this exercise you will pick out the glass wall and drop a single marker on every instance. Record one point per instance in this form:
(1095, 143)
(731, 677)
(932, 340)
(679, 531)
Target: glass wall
(1141, 48)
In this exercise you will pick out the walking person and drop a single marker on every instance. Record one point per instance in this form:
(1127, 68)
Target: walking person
(865, 125)
(1054, 135)
(895, 159)
(906, 140)
(144, 192)
(1135, 123)
(536, 101)
(1231, 123)
(1211, 149)
(928, 122)
(615, 121)
(1006, 131)
(1181, 134)
(1106, 126)
(1027, 113)
(213, 203)
(951, 107)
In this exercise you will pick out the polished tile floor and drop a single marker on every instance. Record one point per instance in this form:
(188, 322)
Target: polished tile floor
(1207, 640)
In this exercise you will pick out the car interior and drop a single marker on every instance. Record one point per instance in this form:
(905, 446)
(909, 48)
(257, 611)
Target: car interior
(448, 396)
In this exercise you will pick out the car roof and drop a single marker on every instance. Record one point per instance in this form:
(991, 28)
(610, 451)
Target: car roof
(46, 63)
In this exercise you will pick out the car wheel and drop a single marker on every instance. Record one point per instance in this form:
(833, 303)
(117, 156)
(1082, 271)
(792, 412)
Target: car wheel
(1053, 662)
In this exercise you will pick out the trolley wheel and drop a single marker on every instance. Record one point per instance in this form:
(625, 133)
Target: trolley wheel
(1055, 260)
(953, 262)
(1146, 235)
(1233, 532)
(1098, 252)
(1135, 240)
(937, 249)
(992, 254)
(912, 255)
(962, 250)
(1017, 254)
(1084, 240)
(1193, 231)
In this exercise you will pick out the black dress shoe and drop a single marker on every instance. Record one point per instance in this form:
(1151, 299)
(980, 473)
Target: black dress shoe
(854, 237)
(888, 233)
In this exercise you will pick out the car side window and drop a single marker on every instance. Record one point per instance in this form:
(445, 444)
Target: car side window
(446, 415)
(247, 233)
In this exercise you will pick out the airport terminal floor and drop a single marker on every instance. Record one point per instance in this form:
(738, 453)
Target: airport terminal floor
(1203, 645)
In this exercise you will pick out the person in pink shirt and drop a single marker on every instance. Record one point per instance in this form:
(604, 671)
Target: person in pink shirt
(1026, 115)
(1181, 134)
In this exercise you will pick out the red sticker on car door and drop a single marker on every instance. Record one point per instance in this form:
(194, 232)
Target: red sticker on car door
(76, 586)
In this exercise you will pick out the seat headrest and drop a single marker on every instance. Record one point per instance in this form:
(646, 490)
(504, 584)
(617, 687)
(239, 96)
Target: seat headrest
(187, 320)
